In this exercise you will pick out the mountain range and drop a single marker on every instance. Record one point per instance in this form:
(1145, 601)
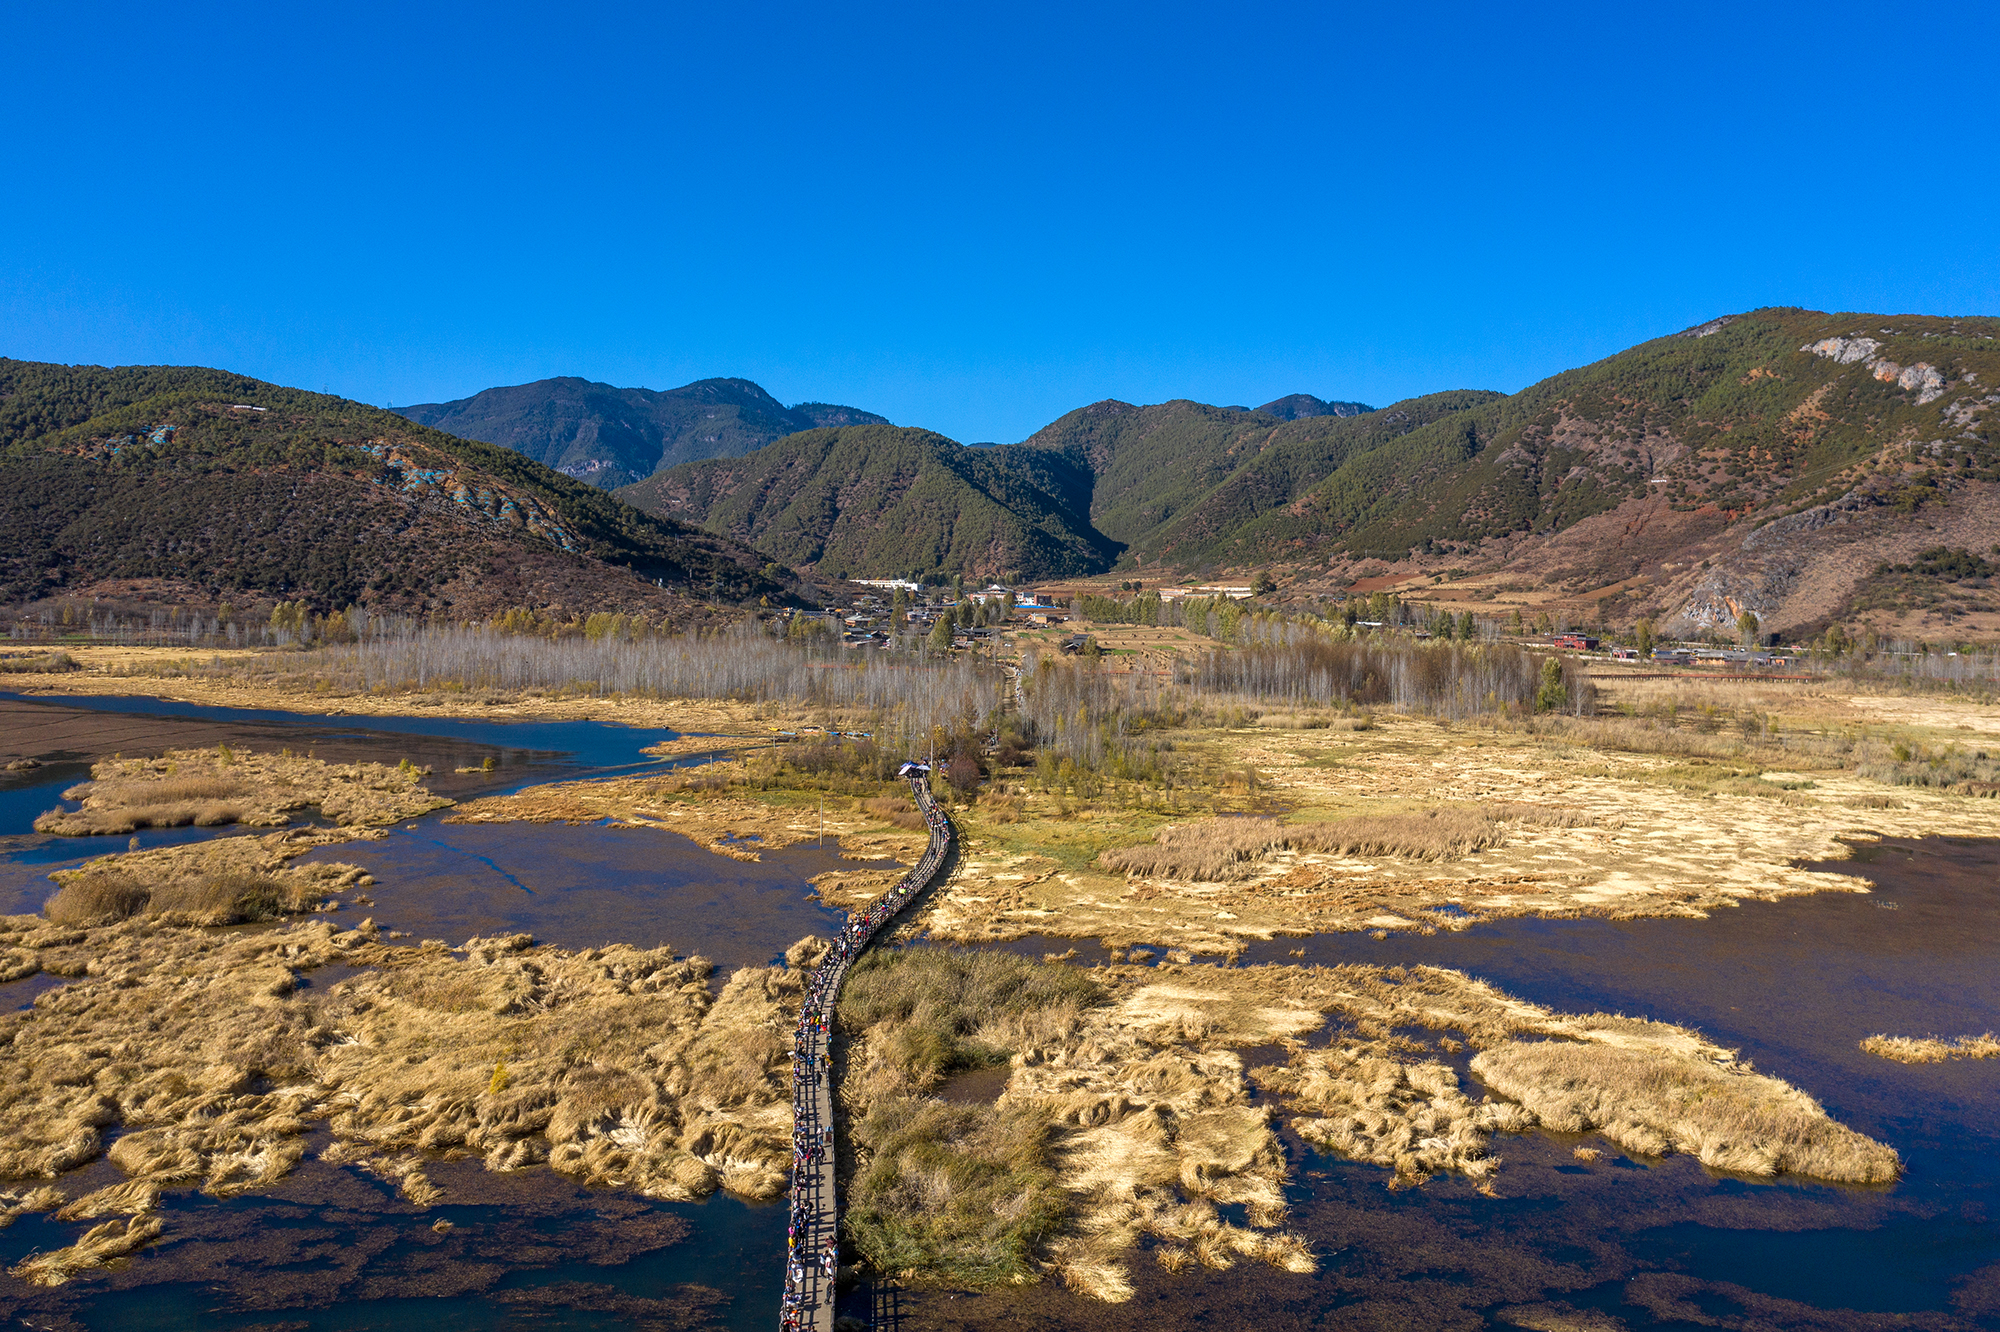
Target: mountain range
(612, 436)
(191, 486)
(1804, 466)
(1771, 461)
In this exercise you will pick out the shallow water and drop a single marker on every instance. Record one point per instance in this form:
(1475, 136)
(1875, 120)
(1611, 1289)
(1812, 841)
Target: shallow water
(584, 885)
(583, 743)
(1795, 985)
(68, 733)
(332, 1249)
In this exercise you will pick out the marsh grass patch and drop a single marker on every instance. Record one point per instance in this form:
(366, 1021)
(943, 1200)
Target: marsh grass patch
(1225, 849)
(1932, 1049)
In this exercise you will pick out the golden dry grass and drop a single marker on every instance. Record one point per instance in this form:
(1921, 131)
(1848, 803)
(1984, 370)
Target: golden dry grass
(1932, 1049)
(1407, 1116)
(1106, 1132)
(226, 898)
(891, 810)
(208, 788)
(99, 1247)
(1225, 849)
(1651, 1100)
(1210, 849)
(613, 1065)
(223, 882)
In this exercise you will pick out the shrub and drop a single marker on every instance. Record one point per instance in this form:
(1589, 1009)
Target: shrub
(963, 773)
(96, 899)
(225, 899)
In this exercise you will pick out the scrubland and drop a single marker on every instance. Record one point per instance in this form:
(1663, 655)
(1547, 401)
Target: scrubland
(207, 788)
(205, 1057)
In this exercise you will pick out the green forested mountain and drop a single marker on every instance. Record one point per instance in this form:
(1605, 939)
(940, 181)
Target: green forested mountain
(1765, 461)
(613, 436)
(1775, 407)
(1203, 471)
(209, 485)
(878, 500)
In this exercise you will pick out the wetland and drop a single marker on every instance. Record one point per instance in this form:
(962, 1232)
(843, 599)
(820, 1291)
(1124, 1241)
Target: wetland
(1395, 1025)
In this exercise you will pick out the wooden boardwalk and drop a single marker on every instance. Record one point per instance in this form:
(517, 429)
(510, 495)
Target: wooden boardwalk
(813, 1236)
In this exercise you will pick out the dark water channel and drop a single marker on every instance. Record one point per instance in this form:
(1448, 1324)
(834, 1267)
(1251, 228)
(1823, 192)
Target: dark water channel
(1663, 1243)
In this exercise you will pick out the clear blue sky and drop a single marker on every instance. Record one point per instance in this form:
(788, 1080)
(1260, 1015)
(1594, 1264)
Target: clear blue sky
(977, 218)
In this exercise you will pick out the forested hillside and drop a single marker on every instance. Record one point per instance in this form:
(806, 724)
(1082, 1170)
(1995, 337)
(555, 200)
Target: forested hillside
(206, 484)
(613, 436)
(874, 501)
(1177, 479)
(1771, 462)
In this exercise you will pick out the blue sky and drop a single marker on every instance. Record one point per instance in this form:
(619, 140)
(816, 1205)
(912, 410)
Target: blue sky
(977, 218)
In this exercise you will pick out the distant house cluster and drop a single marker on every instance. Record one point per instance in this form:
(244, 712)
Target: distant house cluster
(869, 620)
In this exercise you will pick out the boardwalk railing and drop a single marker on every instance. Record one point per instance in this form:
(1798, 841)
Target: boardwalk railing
(812, 1241)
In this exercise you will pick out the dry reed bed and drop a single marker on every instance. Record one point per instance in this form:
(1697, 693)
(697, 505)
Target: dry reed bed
(1138, 1104)
(227, 881)
(1932, 1049)
(1651, 1101)
(614, 1065)
(211, 787)
(1224, 849)
(1649, 1086)
(1127, 1117)
(1111, 1130)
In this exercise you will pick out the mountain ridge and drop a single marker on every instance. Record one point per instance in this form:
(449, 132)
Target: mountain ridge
(610, 436)
(1638, 483)
(225, 486)
(881, 499)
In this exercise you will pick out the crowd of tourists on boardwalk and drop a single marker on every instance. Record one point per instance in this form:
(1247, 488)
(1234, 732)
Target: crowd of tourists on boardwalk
(812, 1141)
